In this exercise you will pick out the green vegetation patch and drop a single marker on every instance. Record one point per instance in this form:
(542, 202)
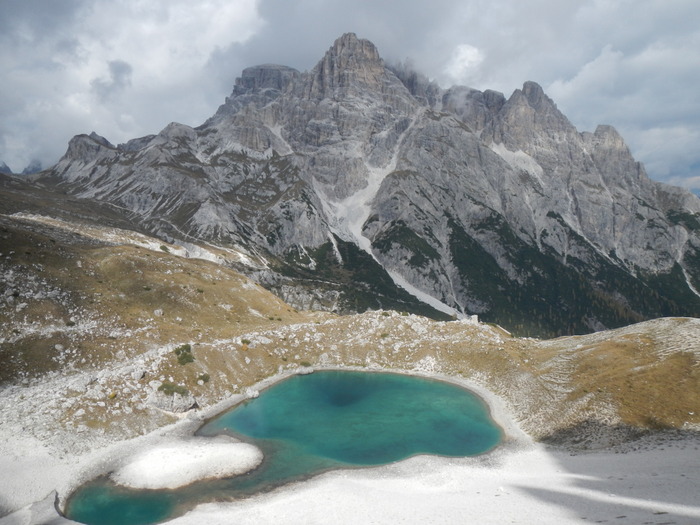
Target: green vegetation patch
(363, 284)
(170, 389)
(553, 297)
(399, 233)
(683, 218)
(184, 354)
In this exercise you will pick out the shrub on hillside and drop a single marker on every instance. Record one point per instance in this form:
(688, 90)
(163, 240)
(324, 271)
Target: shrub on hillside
(184, 354)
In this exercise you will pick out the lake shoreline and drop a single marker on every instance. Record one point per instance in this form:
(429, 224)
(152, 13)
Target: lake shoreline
(176, 478)
(507, 461)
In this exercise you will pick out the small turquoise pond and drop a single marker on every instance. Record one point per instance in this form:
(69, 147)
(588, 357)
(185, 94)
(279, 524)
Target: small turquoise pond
(310, 424)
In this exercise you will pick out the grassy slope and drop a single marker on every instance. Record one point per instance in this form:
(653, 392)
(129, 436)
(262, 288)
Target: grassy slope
(89, 332)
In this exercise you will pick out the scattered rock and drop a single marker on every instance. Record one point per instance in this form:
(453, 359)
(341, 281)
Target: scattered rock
(177, 403)
(251, 393)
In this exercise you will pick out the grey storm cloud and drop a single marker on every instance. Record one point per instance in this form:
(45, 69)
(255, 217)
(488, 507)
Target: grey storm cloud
(37, 18)
(119, 79)
(127, 69)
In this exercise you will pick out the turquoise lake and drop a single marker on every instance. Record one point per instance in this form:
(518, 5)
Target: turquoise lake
(309, 424)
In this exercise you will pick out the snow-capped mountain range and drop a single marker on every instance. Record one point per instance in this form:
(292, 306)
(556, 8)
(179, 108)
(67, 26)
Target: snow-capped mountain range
(361, 185)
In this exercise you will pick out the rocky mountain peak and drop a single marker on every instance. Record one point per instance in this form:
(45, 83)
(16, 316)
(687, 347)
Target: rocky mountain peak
(349, 66)
(527, 114)
(609, 137)
(535, 96)
(175, 130)
(99, 138)
(531, 99)
(264, 76)
(257, 86)
(85, 149)
(426, 91)
(33, 167)
(473, 107)
(393, 191)
(349, 48)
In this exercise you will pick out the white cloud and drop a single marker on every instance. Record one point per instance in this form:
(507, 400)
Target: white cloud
(462, 66)
(691, 183)
(669, 152)
(601, 72)
(122, 69)
(167, 40)
(649, 93)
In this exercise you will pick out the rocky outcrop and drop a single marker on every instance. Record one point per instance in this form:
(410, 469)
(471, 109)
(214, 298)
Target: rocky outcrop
(350, 67)
(257, 86)
(33, 167)
(265, 77)
(174, 402)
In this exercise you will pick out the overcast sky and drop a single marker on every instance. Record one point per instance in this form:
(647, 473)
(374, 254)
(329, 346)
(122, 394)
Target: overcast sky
(126, 68)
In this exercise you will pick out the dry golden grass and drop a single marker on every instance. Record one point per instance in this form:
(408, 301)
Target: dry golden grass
(137, 297)
(131, 306)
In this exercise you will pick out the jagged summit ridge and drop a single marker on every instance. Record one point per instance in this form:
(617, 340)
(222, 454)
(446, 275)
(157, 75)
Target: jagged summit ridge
(257, 85)
(265, 76)
(350, 64)
(486, 204)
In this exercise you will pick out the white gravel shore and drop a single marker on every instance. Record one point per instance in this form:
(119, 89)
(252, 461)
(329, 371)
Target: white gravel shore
(653, 481)
(182, 462)
(523, 485)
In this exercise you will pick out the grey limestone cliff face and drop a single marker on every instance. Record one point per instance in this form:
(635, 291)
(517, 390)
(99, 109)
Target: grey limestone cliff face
(257, 85)
(345, 117)
(491, 205)
(351, 66)
(265, 77)
(471, 106)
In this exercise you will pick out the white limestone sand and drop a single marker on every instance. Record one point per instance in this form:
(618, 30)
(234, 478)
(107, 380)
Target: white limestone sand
(182, 462)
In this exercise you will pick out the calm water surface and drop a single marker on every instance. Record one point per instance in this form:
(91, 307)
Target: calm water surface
(310, 424)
